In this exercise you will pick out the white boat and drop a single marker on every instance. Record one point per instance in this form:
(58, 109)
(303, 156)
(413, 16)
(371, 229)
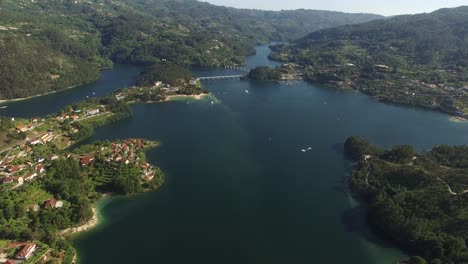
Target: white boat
(309, 148)
(246, 91)
(212, 102)
(3, 107)
(303, 150)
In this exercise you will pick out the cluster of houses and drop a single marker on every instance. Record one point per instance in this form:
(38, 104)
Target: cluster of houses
(165, 87)
(75, 115)
(20, 173)
(216, 46)
(72, 117)
(124, 152)
(168, 88)
(155, 89)
(33, 124)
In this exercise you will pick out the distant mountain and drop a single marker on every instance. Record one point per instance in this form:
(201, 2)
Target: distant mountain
(46, 45)
(256, 24)
(425, 54)
(436, 38)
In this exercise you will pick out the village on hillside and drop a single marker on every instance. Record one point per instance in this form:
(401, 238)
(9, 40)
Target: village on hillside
(27, 168)
(32, 151)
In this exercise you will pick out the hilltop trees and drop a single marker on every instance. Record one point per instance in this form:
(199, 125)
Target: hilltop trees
(264, 74)
(412, 200)
(167, 73)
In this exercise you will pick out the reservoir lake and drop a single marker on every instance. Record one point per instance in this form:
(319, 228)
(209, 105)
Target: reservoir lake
(238, 187)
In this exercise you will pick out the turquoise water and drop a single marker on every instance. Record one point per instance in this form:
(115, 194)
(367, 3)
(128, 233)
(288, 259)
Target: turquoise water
(240, 190)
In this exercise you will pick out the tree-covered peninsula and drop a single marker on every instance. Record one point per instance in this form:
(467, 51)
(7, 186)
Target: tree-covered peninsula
(160, 82)
(419, 60)
(417, 199)
(48, 187)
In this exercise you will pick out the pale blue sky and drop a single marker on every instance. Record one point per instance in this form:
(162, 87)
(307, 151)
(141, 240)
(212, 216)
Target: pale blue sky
(383, 7)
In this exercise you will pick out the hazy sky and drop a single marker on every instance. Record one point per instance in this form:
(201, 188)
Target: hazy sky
(383, 7)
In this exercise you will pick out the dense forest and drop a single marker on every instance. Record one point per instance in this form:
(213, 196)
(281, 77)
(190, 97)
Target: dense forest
(416, 199)
(417, 60)
(167, 73)
(51, 44)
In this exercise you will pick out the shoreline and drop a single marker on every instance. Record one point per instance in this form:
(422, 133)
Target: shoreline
(90, 224)
(192, 96)
(458, 119)
(93, 222)
(4, 101)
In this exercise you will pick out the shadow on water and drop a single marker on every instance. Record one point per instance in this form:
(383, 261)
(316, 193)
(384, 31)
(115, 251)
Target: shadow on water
(341, 185)
(355, 220)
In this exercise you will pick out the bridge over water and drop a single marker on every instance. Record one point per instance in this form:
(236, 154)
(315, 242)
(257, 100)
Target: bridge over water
(220, 77)
(226, 77)
(236, 68)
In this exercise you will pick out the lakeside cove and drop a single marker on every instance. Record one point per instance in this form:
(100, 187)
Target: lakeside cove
(51, 181)
(238, 188)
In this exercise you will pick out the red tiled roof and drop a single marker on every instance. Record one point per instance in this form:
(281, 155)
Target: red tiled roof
(50, 203)
(25, 251)
(15, 168)
(30, 175)
(86, 160)
(39, 167)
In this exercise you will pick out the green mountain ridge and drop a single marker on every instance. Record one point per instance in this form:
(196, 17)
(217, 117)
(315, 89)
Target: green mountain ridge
(47, 45)
(419, 60)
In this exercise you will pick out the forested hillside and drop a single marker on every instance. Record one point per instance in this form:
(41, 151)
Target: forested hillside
(46, 45)
(413, 59)
(416, 199)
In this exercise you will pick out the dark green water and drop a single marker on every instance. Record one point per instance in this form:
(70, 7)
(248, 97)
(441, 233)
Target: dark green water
(120, 76)
(239, 189)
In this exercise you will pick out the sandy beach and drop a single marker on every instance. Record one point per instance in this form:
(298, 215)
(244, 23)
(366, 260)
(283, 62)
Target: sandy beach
(458, 119)
(86, 226)
(194, 96)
